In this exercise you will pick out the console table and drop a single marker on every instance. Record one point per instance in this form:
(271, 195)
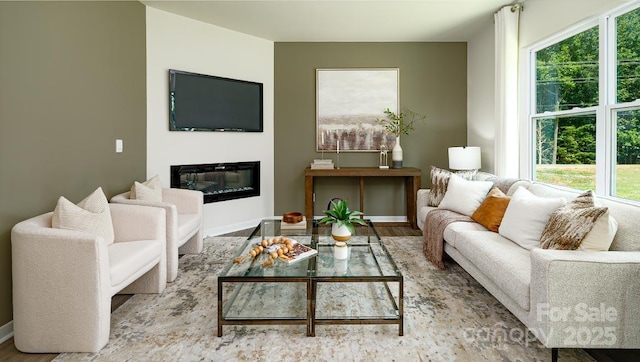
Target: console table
(411, 175)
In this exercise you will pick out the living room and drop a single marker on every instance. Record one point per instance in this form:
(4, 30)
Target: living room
(78, 76)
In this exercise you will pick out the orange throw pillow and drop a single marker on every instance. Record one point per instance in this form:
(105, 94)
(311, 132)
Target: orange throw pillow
(490, 212)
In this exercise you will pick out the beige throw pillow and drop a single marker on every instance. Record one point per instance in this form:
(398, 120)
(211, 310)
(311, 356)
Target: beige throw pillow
(491, 211)
(91, 215)
(601, 235)
(150, 190)
(569, 226)
(439, 182)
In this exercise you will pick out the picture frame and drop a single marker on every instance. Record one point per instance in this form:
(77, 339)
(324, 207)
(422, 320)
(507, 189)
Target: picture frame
(348, 103)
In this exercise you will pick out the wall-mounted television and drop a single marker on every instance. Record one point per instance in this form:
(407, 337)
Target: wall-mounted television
(199, 102)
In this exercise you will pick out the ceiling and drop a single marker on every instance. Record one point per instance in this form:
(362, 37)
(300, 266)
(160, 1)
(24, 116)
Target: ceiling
(343, 21)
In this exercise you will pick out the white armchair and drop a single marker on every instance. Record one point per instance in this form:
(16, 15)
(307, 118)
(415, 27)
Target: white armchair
(63, 280)
(184, 222)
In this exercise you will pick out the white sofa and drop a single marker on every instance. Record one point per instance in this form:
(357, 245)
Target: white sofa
(63, 280)
(553, 291)
(184, 222)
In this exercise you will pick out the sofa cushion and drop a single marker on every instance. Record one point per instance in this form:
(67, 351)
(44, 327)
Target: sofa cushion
(526, 216)
(439, 182)
(570, 224)
(150, 190)
(452, 231)
(91, 215)
(502, 261)
(491, 211)
(130, 258)
(464, 196)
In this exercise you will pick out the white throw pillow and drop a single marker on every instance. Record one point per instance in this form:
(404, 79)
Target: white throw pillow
(526, 217)
(150, 190)
(464, 196)
(601, 235)
(91, 215)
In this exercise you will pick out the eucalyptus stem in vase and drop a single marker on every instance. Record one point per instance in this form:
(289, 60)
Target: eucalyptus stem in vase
(399, 124)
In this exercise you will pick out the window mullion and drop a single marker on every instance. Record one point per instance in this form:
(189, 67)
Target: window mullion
(606, 86)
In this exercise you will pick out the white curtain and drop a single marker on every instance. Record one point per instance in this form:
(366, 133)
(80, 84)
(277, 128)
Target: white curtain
(506, 88)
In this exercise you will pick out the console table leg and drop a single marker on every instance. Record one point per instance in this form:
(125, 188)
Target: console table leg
(362, 195)
(308, 197)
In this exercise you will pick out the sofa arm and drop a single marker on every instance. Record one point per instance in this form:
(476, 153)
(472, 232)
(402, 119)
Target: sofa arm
(61, 282)
(582, 299)
(186, 201)
(422, 198)
(136, 222)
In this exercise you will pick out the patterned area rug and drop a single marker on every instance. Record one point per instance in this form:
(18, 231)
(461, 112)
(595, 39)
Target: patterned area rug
(448, 317)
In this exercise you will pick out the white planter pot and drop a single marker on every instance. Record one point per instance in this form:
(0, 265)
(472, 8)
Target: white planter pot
(340, 233)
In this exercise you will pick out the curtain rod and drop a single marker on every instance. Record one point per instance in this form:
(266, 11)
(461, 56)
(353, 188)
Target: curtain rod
(514, 7)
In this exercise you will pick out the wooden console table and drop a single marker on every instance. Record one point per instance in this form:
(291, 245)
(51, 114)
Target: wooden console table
(412, 184)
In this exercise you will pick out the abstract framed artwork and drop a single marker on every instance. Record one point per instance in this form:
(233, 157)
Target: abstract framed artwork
(348, 103)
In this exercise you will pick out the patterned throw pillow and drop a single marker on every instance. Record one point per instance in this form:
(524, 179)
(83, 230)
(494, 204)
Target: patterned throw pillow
(569, 225)
(91, 215)
(150, 190)
(491, 211)
(439, 182)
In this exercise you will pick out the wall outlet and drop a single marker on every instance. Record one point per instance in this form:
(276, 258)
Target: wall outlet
(118, 146)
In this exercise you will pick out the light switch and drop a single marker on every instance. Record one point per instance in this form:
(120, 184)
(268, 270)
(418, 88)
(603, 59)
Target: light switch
(118, 146)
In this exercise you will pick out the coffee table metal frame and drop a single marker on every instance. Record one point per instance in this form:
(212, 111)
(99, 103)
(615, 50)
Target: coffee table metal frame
(311, 281)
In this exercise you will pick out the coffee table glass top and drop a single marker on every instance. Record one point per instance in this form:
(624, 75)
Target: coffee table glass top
(368, 256)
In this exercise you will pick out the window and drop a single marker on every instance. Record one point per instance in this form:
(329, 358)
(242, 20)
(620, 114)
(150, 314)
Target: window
(574, 105)
(566, 150)
(627, 170)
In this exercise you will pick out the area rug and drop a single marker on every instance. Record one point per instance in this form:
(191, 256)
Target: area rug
(448, 317)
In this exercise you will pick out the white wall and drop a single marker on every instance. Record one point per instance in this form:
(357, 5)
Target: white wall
(539, 20)
(544, 18)
(176, 42)
(480, 90)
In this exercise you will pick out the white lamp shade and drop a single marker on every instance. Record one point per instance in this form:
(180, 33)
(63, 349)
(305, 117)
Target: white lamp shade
(464, 158)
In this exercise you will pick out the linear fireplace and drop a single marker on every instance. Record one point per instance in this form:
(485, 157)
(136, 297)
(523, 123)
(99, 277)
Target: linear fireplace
(219, 181)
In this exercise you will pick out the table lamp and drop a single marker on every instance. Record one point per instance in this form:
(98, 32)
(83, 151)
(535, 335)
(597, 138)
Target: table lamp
(464, 158)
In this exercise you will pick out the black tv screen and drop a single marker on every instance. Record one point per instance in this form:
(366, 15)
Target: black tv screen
(199, 102)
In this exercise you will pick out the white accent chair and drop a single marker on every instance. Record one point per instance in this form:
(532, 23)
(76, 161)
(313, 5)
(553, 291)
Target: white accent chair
(63, 280)
(184, 222)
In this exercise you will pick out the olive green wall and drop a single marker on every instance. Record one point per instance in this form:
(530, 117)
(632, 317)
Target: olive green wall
(433, 81)
(72, 80)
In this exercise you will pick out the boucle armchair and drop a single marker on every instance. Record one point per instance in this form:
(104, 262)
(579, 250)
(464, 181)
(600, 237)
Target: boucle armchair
(63, 280)
(184, 222)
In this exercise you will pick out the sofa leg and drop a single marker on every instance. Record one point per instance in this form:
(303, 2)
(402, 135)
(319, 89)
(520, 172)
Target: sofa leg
(554, 355)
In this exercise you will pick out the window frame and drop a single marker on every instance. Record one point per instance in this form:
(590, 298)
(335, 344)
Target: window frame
(605, 111)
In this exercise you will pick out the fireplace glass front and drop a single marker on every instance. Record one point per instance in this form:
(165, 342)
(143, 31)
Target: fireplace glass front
(219, 181)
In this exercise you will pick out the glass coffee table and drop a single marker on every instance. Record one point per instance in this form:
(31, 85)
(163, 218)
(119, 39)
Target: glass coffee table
(365, 288)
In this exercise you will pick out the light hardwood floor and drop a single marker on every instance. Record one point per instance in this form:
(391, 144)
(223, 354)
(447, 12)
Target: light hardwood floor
(8, 351)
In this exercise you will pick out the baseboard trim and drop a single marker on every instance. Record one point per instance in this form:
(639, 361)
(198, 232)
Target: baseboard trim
(231, 228)
(6, 331)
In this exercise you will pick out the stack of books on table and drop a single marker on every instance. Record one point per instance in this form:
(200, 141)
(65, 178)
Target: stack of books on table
(322, 164)
(298, 228)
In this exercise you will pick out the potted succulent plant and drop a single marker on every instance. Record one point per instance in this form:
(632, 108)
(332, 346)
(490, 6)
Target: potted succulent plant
(341, 220)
